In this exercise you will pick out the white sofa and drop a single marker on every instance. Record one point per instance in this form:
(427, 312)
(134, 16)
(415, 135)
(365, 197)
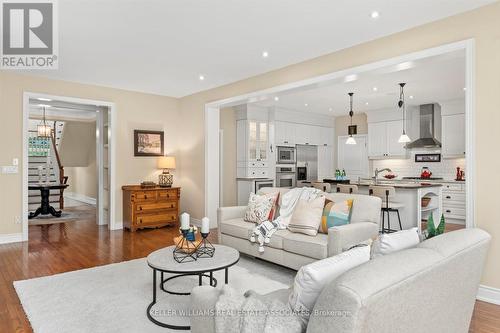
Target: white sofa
(430, 288)
(294, 249)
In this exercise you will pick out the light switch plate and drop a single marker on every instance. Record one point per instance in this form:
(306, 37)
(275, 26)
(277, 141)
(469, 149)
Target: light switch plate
(15, 161)
(10, 169)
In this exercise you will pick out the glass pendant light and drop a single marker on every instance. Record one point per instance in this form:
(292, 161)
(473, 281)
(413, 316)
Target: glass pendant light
(351, 129)
(404, 138)
(44, 130)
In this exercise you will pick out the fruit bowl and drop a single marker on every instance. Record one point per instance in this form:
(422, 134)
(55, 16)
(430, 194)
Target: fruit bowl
(390, 176)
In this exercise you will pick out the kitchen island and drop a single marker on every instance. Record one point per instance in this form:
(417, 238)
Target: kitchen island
(410, 194)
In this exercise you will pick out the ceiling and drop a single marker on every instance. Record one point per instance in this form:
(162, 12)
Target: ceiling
(428, 80)
(60, 110)
(163, 46)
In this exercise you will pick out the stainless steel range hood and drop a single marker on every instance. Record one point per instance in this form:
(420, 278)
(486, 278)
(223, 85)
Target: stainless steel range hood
(427, 137)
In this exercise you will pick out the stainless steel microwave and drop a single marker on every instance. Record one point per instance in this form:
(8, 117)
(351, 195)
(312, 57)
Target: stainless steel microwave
(286, 155)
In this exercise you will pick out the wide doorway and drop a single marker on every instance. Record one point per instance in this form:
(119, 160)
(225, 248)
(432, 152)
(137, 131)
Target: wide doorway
(67, 169)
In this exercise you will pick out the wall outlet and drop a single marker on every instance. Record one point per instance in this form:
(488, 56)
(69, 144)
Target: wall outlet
(17, 220)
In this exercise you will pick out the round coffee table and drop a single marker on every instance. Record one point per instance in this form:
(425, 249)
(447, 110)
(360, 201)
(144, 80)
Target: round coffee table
(163, 261)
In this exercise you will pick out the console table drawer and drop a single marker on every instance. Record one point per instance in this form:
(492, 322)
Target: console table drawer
(141, 207)
(167, 195)
(156, 218)
(144, 196)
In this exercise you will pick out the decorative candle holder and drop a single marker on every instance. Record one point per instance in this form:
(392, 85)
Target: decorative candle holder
(185, 247)
(205, 248)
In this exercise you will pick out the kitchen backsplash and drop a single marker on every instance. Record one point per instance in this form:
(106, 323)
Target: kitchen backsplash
(446, 169)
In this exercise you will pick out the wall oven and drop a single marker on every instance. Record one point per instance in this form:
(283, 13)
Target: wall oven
(286, 155)
(286, 176)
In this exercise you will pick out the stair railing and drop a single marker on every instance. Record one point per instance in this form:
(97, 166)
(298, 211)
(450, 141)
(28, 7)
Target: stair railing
(62, 178)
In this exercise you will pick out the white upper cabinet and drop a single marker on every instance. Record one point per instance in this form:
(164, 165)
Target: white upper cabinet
(284, 133)
(383, 140)
(377, 140)
(252, 140)
(394, 131)
(353, 158)
(453, 136)
(326, 136)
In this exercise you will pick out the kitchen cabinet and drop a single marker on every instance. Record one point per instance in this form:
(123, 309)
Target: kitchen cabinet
(325, 162)
(383, 140)
(285, 133)
(453, 137)
(454, 202)
(252, 148)
(326, 136)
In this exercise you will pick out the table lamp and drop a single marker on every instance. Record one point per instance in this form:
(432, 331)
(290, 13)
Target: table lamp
(166, 163)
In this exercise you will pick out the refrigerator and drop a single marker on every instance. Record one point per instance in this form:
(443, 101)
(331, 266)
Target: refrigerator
(307, 164)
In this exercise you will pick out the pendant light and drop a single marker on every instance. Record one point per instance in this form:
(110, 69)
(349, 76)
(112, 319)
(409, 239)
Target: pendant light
(404, 138)
(351, 129)
(44, 130)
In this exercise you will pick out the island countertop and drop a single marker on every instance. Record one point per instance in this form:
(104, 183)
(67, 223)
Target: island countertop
(397, 184)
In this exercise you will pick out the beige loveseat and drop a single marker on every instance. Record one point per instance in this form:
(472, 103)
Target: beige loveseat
(294, 249)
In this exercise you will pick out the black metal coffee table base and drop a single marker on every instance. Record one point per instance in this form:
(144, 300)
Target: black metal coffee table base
(209, 274)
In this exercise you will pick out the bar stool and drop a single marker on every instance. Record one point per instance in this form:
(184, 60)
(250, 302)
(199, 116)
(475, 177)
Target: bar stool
(325, 187)
(347, 188)
(386, 193)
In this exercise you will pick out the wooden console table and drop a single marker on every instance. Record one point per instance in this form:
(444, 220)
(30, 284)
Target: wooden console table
(150, 207)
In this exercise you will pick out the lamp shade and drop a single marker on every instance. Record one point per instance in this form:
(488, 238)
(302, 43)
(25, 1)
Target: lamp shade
(166, 162)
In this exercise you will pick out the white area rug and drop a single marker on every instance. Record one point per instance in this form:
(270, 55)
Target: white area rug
(114, 298)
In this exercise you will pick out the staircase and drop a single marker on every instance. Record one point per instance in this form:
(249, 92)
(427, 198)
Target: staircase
(42, 152)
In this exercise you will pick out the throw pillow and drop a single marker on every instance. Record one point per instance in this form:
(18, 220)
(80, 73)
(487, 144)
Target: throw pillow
(335, 214)
(258, 208)
(307, 216)
(274, 210)
(311, 279)
(396, 241)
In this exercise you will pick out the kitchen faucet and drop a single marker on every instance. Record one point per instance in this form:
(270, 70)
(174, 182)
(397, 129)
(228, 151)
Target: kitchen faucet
(377, 171)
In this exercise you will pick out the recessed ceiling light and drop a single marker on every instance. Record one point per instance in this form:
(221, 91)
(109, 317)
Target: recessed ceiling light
(306, 105)
(375, 89)
(375, 14)
(44, 99)
(44, 105)
(265, 54)
(411, 96)
(330, 109)
(350, 78)
(276, 98)
(201, 77)
(366, 103)
(465, 89)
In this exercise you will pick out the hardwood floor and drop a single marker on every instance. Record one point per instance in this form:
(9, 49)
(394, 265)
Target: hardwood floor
(83, 244)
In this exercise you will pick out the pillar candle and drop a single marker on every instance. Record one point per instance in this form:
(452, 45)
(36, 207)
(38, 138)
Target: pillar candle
(184, 221)
(205, 225)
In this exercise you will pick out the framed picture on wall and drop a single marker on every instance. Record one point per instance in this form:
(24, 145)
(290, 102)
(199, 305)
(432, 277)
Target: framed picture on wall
(148, 143)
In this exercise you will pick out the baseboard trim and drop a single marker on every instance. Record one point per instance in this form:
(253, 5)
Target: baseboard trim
(11, 238)
(488, 294)
(81, 198)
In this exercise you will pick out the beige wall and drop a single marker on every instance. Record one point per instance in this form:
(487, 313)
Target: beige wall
(483, 25)
(78, 144)
(133, 111)
(228, 126)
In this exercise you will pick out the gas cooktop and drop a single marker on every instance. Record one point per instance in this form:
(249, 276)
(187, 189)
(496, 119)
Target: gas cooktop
(420, 178)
